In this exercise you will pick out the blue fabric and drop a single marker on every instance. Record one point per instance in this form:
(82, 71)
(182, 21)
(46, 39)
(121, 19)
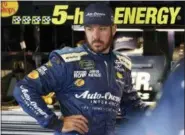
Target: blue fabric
(85, 83)
(98, 14)
(168, 117)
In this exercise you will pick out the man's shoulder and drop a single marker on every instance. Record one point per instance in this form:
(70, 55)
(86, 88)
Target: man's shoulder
(70, 54)
(69, 50)
(124, 59)
(119, 54)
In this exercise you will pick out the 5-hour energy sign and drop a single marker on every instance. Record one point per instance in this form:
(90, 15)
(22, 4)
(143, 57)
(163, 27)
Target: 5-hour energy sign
(122, 15)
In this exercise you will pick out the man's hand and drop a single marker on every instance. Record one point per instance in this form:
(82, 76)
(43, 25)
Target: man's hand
(75, 123)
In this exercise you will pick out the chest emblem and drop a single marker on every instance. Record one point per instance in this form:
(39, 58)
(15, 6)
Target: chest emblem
(79, 82)
(119, 75)
(87, 64)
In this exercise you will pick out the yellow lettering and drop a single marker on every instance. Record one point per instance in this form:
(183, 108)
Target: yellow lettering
(59, 14)
(174, 12)
(78, 16)
(151, 15)
(162, 18)
(129, 16)
(140, 15)
(118, 15)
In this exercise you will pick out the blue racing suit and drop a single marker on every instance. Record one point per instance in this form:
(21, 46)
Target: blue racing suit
(85, 83)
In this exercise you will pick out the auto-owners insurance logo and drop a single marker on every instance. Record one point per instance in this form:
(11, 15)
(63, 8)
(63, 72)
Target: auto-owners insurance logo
(9, 8)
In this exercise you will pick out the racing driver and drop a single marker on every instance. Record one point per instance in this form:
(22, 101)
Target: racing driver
(91, 82)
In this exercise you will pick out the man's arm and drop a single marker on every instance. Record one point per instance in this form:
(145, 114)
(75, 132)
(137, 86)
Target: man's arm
(29, 91)
(131, 103)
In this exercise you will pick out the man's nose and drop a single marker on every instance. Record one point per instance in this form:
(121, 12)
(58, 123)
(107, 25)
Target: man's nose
(96, 34)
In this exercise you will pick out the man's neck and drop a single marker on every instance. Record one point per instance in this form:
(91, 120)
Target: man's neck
(106, 51)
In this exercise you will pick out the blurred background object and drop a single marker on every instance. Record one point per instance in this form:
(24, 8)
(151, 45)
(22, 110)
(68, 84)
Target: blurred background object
(178, 52)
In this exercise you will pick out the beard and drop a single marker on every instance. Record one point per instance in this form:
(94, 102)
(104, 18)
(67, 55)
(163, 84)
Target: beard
(101, 48)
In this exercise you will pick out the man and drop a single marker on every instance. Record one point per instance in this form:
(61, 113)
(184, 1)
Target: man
(91, 82)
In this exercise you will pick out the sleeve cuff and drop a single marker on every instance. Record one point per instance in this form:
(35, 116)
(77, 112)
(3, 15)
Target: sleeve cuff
(54, 123)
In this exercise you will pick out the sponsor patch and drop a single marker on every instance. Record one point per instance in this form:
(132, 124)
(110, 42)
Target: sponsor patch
(79, 82)
(119, 66)
(31, 104)
(119, 75)
(96, 96)
(95, 14)
(125, 61)
(94, 73)
(103, 102)
(42, 70)
(33, 75)
(80, 74)
(73, 56)
(87, 64)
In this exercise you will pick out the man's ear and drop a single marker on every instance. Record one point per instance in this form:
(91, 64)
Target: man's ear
(114, 27)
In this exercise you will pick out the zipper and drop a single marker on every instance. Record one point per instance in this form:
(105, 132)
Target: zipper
(107, 72)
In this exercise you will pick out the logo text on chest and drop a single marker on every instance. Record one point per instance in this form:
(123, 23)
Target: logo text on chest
(83, 74)
(96, 95)
(80, 74)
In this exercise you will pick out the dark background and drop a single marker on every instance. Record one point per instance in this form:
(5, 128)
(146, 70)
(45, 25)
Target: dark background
(53, 37)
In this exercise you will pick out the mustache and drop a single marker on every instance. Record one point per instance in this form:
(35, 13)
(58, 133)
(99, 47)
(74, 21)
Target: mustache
(97, 41)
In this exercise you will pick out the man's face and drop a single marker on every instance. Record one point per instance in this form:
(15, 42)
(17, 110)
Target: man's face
(100, 37)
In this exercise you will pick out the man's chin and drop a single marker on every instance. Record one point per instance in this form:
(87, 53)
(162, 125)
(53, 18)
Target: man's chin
(97, 50)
